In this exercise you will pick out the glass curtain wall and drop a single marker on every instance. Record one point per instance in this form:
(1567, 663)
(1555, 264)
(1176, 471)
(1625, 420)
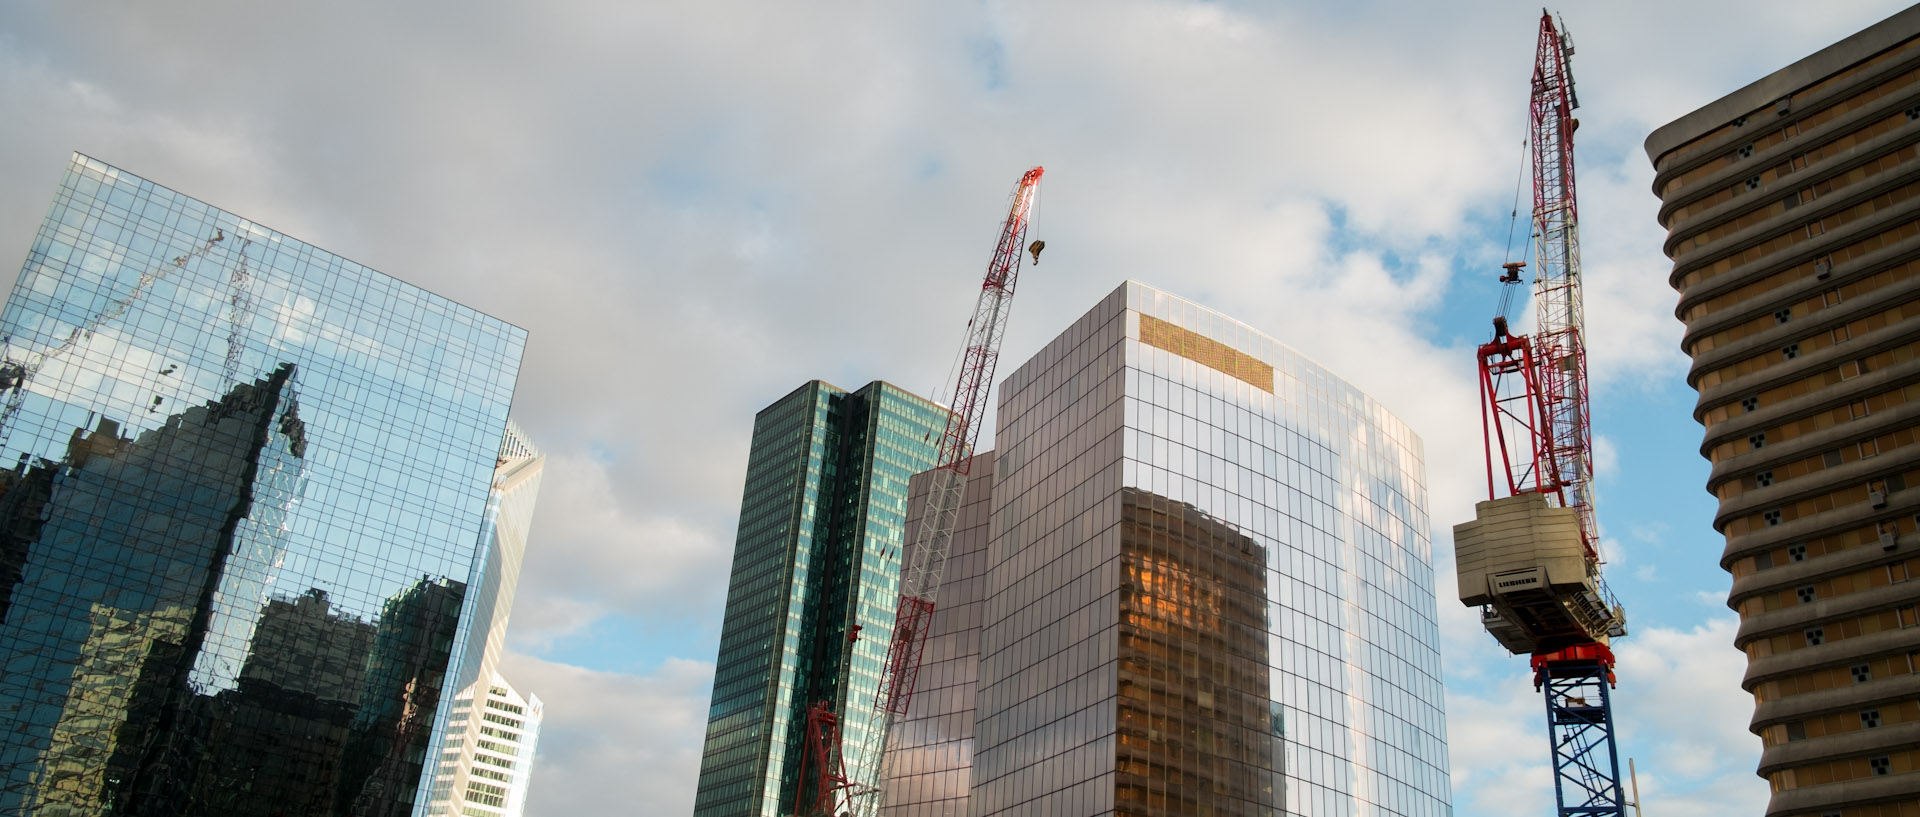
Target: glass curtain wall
(244, 484)
(822, 528)
(1210, 587)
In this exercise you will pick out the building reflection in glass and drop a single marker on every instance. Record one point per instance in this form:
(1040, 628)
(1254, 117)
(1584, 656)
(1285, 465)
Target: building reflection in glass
(1209, 584)
(1196, 721)
(242, 471)
(127, 604)
(930, 751)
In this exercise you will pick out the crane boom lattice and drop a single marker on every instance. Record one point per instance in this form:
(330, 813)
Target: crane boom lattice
(926, 564)
(1530, 558)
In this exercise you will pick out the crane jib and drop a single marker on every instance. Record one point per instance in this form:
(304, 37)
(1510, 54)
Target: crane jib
(923, 569)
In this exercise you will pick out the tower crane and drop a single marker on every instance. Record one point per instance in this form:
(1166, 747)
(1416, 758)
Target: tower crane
(17, 373)
(823, 765)
(1530, 558)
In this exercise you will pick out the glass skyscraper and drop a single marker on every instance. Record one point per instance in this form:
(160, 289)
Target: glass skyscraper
(1208, 590)
(245, 491)
(817, 555)
(484, 761)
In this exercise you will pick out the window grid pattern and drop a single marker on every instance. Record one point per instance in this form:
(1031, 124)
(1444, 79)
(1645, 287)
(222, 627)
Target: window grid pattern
(1135, 485)
(246, 491)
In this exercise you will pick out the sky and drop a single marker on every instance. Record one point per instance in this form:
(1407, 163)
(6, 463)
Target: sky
(694, 207)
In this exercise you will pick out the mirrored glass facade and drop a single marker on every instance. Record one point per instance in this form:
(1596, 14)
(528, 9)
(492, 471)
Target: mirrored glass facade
(484, 763)
(1209, 586)
(821, 531)
(244, 494)
(931, 747)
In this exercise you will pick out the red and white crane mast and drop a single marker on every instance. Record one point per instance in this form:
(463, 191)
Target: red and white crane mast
(1560, 319)
(1531, 557)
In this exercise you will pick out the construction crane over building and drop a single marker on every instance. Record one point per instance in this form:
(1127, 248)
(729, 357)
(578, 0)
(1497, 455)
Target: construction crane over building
(18, 368)
(1530, 558)
(823, 764)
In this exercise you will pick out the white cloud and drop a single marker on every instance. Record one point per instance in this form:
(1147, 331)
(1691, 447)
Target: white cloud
(1678, 711)
(1681, 688)
(592, 553)
(614, 743)
(1606, 457)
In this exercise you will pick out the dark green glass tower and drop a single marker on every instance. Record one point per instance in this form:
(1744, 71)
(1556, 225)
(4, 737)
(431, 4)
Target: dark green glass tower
(822, 523)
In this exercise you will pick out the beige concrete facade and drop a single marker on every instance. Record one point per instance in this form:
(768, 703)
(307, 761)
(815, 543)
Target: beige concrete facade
(1793, 211)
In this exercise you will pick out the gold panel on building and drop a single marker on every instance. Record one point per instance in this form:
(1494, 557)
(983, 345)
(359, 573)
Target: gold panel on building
(1206, 351)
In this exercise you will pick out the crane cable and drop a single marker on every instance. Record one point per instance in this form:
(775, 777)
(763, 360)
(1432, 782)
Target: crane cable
(1513, 221)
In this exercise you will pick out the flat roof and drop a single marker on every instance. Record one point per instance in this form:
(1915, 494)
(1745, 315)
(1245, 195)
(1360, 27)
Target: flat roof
(1763, 92)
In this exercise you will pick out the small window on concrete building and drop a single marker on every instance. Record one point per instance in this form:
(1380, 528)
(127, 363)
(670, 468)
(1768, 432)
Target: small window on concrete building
(1772, 517)
(1806, 593)
(1831, 458)
(1764, 479)
(1870, 719)
(1790, 351)
(1758, 440)
(1783, 315)
(1880, 765)
(1816, 636)
(1753, 182)
(1797, 553)
(1750, 403)
(1745, 151)
(1862, 673)
(1797, 730)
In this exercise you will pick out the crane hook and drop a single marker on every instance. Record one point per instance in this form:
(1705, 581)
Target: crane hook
(1035, 248)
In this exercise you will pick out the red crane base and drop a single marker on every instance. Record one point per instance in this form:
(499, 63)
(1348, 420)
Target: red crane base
(829, 769)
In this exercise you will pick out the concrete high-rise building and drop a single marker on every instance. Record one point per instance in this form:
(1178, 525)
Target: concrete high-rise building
(1793, 211)
(817, 556)
(246, 486)
(464, 783)
(1207, 588)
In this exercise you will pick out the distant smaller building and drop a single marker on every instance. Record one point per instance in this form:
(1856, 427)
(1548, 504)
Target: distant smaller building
(816, 562)
(498, 767)
(465, 781)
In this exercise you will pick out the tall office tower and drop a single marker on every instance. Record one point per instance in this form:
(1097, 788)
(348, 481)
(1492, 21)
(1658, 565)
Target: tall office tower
(1793, 210)
(1207, 589)
(463, 782)
(928, 772)
(1209, 585)
(248, 483)
(816, 572)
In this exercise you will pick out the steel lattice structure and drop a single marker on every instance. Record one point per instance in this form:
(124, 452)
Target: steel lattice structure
(1580, 725)
(921, 576)
(1537, 425)
(1560, 320)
